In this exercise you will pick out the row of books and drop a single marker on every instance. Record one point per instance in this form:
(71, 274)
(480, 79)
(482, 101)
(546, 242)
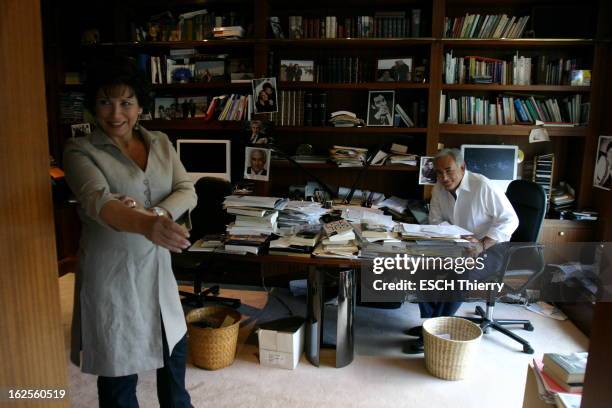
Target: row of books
(194, 25)
(508, 110)
(395, 24)
(543, 167)
(485, 26)
(71, 107)
(300, 108)
(519, 70)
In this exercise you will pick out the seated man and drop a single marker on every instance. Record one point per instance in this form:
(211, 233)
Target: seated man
(467, 200)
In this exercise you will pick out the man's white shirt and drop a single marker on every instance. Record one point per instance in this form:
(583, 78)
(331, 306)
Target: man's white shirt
(479, 208)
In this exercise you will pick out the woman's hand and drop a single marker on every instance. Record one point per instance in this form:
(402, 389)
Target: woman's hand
(164, 232)
(130, 202)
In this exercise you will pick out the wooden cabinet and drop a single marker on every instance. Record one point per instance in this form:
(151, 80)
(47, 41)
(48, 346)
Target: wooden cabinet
(564, 231)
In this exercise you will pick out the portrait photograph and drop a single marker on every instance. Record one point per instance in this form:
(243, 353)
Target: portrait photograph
(394, 70)
(264, 95)
(257, 163)
(602, 177)
(297, 70)
(427, 172)
(380, 108)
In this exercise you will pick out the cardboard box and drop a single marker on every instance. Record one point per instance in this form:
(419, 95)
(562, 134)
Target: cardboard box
(281, 342)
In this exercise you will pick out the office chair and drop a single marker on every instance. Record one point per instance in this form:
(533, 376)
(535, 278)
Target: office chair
(208, 217)
(529, 202)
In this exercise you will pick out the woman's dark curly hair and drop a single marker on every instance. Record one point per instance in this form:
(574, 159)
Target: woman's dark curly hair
(109, 72)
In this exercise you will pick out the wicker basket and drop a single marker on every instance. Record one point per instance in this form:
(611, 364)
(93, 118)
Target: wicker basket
(450, 359)
(212, 348)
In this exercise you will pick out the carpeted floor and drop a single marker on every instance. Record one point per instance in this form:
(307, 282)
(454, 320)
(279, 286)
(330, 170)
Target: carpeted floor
(381, 375)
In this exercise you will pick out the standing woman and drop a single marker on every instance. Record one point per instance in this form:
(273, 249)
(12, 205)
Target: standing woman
(131, 188)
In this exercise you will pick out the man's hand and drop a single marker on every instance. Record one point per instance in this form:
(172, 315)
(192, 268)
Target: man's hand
(167, 233)
(476, 248)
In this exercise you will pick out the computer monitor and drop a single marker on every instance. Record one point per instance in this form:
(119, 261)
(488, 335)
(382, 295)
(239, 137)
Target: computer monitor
(496, 162)
(205, 158)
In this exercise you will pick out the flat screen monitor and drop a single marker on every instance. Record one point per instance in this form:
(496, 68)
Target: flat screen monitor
(496, 162)
(205, 158)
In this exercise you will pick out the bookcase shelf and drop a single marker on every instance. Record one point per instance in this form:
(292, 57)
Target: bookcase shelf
(511, 130)
(391, 168)
(191, 124)
(326, 130)
(201, 85)
(517, 42)
(355, 86)
(516, 88)
(173, 44)
(351, 42)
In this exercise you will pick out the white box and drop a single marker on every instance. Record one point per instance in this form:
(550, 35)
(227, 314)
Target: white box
(281, 342)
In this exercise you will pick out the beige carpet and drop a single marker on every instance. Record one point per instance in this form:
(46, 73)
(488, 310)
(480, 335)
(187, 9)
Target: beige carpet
(380, 376)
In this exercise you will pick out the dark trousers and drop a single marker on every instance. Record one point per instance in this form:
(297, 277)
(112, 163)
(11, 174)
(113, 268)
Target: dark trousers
(492, 264)
(120, 392)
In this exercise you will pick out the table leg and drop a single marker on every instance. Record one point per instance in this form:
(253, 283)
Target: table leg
(344, 325)
(314, 314)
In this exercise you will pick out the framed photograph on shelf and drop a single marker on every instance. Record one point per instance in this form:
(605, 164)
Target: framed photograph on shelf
(256, 163)
(394, 70)
(602, 177)
(297, 70)
(178, 73)
(264, 95)
(427, 172)
(380, 108)
(210, 71)
(166, 108)
(241, 70)
(192, 107)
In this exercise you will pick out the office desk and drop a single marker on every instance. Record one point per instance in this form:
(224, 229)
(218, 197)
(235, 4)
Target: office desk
(316, 299)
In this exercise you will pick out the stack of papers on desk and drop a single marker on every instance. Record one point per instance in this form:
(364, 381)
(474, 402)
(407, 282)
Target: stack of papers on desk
(442, 231)
(275, 203)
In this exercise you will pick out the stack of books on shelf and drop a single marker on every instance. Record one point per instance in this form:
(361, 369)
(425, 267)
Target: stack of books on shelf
(398, 155)
(347, 156)
(339, 241)
(485, 26)
(394, 24)
(562, 198)
(485, 70)
(226, 33)
(543, 167)
(509, 109)
(560, 377)
(255, 221)
(345, 119)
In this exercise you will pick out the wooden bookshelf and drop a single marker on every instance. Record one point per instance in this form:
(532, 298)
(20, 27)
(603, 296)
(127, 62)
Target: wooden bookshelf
(511, 130)
(515, 88)
(355, 86)
(326, 130)
(191, 124)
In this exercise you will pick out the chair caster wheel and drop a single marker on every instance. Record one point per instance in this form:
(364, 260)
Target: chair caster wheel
(528, 350)
(528, 327)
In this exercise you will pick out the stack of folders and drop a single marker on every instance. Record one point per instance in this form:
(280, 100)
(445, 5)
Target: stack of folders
(339, 241)
(256, 220)
(543, 172)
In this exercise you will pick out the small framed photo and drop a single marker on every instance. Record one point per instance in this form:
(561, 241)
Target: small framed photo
(394, 70)
(192, 107)
(241, 70)
(178, 73)
(80, 129)
(427, 171)
(209, 71)
(380, 108)
(257, 163)
(602, 177)
(264, 95)
(166, 108)
(297, 70)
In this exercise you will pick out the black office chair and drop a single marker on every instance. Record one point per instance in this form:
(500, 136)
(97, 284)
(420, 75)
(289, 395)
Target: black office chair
(208, 217)
(529, 202)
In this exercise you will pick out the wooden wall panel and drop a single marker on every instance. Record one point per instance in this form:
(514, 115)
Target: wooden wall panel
(31, 338)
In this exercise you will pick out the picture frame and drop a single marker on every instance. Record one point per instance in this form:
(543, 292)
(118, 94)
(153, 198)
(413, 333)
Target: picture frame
(297, 70)
(166, 108)
(381, 108)
(427, 171)
(241, 70)
(265, 99)
(602, 176)
(209, 71)
(192, 107)
(257, 163)
(80, 129)
(394, 69)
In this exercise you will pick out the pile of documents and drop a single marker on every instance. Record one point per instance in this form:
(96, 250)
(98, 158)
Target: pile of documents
(300, 243)
(339, 241)
(345, 119)
(347, 156)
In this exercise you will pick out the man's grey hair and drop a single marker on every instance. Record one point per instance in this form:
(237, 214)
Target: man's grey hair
(452, 152)
(260, 151)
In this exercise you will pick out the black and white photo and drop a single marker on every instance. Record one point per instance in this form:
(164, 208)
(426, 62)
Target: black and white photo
(380, 108)
(602, 177)
(394, 70)
(297, 70)
(427, 172)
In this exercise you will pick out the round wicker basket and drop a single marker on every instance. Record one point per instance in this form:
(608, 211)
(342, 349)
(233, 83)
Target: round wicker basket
(212, 348)
(450, 359)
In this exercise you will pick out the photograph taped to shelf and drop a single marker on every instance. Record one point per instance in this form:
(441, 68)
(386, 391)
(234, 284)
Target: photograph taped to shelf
(264, 95)
(210, 71)
(394, 70)
(166, 108)
(241, 70)
(257, 163)
(192, 107)
(602, 177)
(380, 108)
(80, 129)
(297, 70)
(427, 171)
